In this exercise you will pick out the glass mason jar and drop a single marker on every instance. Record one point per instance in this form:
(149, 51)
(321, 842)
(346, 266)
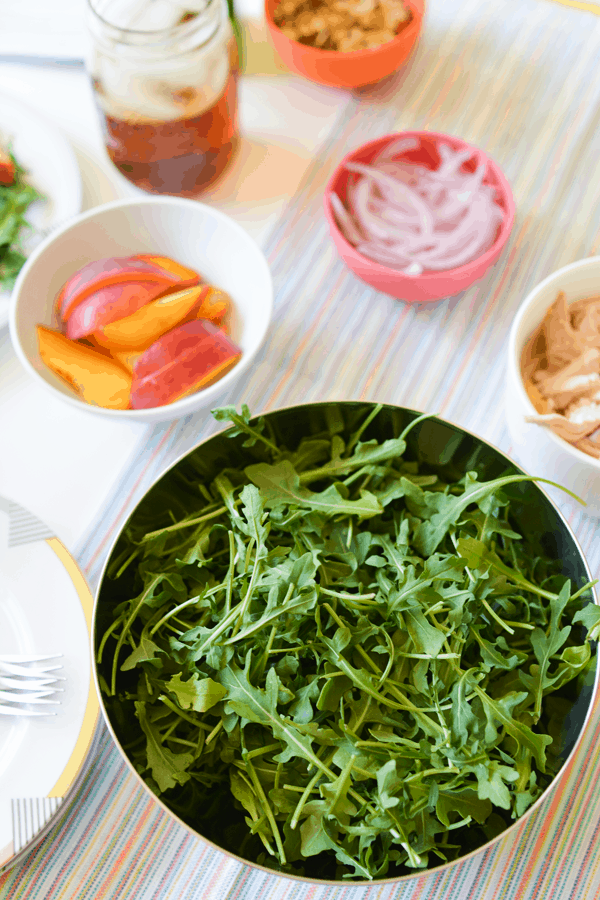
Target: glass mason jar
(165, 79)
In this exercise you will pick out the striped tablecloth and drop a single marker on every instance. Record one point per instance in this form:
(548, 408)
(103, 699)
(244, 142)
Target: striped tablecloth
(520, 79)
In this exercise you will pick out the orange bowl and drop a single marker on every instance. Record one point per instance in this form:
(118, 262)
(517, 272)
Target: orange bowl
(347, 70)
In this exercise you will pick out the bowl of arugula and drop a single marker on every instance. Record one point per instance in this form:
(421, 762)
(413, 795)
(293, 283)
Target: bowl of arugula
(346, 642)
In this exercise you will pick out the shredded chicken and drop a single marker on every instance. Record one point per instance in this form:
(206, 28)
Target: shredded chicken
(587, 445)
(563, 343)
(560, 366)
(579, 379)
(584, 412)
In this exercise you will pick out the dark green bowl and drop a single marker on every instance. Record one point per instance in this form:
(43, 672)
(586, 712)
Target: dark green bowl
(440, 448)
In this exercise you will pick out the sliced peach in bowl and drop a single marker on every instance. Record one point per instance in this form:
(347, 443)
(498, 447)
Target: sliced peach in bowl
(98, 379)
(186, 277)
(102, 273)
(154, 319)
(110, 304)
(215, 306)
(183, 361)
(127, 358)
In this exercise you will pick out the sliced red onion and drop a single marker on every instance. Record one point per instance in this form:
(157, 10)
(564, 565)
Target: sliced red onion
(454, 160)
(369, 222)
(480, 242)
(397, 148)
(450, 242)
(396, 214)
(382, 255)
(345, 221)
(402, 191)
(417, 219)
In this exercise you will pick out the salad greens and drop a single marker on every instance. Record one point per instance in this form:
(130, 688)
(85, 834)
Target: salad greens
(334, 663)
(15, 199)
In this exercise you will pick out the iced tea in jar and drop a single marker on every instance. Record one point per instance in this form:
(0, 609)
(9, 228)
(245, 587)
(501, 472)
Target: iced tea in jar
(165, 79)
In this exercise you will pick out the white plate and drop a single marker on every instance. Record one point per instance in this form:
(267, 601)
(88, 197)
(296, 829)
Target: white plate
(45, 608)
(52, 166)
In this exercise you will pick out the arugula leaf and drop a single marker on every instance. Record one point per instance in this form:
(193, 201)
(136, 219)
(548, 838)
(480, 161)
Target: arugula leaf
(199, 694)
(168, 768)
(280, 485)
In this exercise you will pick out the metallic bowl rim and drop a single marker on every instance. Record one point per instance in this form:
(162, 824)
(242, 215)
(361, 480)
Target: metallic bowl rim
(299, 879)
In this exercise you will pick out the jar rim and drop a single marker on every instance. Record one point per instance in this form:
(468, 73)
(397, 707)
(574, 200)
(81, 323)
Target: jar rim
(178, 29)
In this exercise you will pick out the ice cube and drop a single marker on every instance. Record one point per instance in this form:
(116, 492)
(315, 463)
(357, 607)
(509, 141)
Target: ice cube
(155, 88)
(155, 16)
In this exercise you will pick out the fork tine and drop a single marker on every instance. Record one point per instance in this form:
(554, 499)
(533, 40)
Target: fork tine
(17, 711)
(15, 658)
(29, 684)
(16, 669)
(36, 697)
(29, 681)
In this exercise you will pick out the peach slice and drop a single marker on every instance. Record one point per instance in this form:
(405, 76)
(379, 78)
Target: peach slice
(138, 331)
(98, 379)
(103, 273)
(186, 277)
(215, 306)
(110, 304)
(188, 358)
(126, 358)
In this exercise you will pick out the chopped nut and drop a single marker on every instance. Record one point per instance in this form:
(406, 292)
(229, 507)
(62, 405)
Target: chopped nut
(394, 14)
(343, 25)
(363, 7)
(289, 7)
(351, 41)
(322, 37)
(305, 25)
(373, 39)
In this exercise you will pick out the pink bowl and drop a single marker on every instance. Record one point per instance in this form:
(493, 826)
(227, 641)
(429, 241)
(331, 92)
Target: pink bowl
(430, 286)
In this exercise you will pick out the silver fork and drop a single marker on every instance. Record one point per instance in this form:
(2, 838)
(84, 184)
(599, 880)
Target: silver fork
(23, 683)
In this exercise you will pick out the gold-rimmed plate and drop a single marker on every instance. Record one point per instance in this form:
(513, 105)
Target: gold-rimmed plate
(45, 609)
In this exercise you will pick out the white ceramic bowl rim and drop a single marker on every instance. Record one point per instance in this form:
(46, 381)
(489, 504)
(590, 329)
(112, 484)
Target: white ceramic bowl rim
(185, 405)
(516, 347)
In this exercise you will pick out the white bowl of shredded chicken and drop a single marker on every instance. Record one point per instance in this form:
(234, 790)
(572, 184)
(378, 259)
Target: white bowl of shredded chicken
(553, 383)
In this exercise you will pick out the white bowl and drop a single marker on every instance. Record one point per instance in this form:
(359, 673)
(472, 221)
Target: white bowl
(191, 233)
(536, 447)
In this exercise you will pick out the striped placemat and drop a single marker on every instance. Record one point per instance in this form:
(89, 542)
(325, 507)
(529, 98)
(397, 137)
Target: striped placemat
(517, 79)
